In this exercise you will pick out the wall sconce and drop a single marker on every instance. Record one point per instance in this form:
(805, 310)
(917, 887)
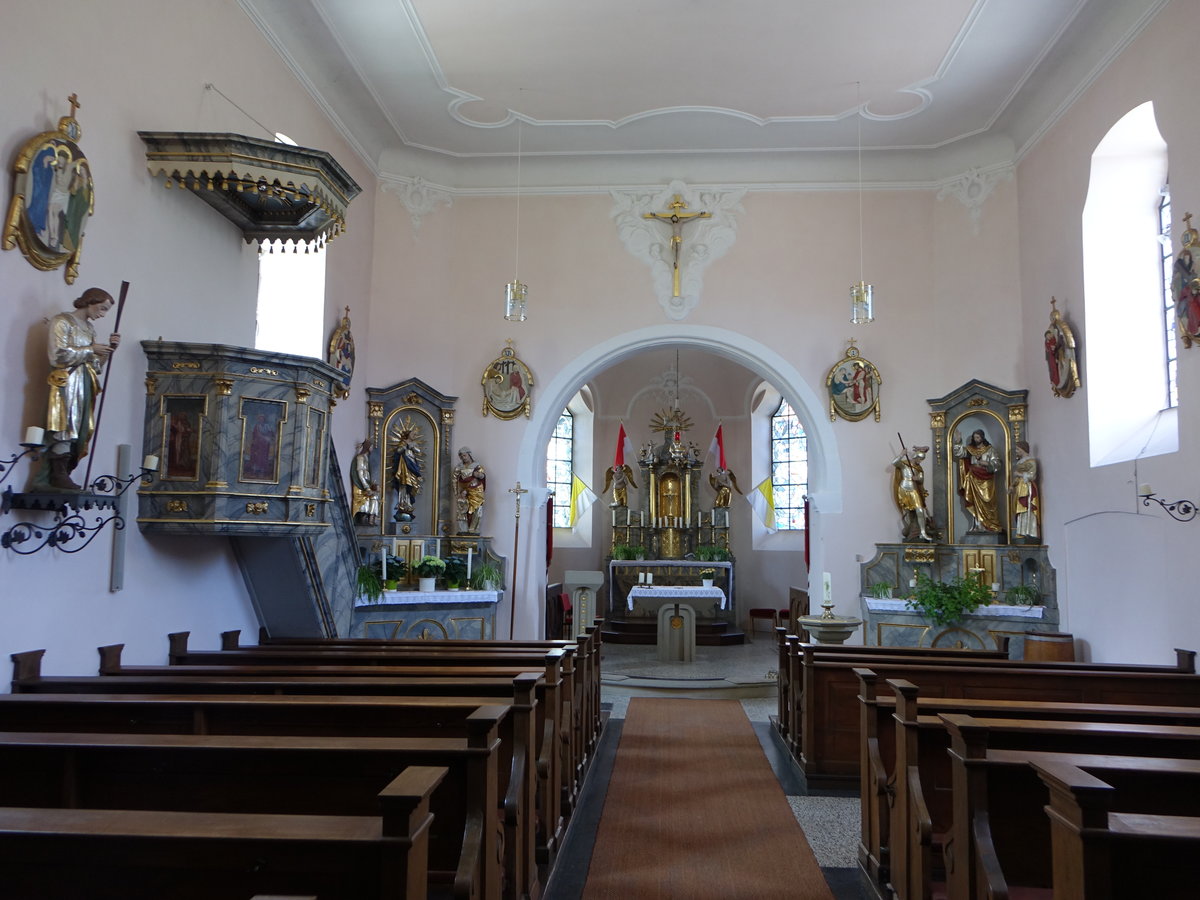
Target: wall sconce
(1179, 510)
(70, 531)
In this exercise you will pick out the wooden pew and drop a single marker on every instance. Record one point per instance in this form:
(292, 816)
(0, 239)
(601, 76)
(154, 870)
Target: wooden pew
(1001, 836)
(892, 742)
(315, 715)
(271, 775)
(577, 669)
(65, 854)
(829, 706)
(1103, 855)
(556, 752)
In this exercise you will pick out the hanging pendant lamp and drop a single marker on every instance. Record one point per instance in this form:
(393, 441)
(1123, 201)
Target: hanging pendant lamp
(862, 294)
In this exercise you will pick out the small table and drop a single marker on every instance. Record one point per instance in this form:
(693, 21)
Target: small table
(675, 593)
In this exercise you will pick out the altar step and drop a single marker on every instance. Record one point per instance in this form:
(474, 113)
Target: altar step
(709, 632)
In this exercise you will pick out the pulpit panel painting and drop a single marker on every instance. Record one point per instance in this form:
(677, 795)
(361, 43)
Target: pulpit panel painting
(262, 424)
(183, 427)
(314, 445)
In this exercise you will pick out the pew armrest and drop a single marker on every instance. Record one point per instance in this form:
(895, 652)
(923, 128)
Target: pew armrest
(994, 886)
(920, 822)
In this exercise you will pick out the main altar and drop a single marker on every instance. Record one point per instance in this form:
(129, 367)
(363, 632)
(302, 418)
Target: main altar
(668, 547)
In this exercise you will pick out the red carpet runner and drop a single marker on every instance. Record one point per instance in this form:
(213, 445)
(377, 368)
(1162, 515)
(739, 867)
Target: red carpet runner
(694, 811)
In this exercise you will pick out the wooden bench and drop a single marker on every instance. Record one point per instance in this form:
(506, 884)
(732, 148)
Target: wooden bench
(1001, 838)
(1104, 855)
(65, 854)
(272, 775)
(315, 715)
(887, 750)
(829, 706)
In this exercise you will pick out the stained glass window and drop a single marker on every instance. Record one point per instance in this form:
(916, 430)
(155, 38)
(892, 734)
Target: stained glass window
(560, 466)
(789, 467)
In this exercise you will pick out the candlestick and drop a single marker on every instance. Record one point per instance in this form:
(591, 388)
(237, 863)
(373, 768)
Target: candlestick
(34, 435)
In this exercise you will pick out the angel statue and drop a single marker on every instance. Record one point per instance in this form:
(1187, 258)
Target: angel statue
(724, 482)
(620, 480)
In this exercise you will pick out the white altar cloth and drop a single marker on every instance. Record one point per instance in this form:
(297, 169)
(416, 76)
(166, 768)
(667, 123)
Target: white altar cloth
(997, 610)
(675, 592)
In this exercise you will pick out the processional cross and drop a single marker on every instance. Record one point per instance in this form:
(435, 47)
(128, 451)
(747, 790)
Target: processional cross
(677, 220)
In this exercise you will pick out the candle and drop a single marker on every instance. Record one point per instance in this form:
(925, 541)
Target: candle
(827, 580)
(383, 561)
(437, 548)
(470, 553)
(912, 582)
(150, 462)
(1144, 490)
(641, 577)
(649, 578)
(995, 587)
(34, 435)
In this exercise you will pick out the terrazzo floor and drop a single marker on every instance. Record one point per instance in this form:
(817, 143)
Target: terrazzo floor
(830, 818)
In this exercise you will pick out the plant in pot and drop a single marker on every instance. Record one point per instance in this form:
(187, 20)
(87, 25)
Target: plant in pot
(706, 576)
(881, 590)
(624, 551)
(946, 602)
(370, 586)
(486, 577)
(428, 568)
(456, 572)
(1022, 595)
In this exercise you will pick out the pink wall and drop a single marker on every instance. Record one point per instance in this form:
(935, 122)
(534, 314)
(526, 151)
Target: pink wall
(192, 278)
(1124, 601)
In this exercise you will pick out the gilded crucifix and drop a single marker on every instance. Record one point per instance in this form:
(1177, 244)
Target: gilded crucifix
(677, 219)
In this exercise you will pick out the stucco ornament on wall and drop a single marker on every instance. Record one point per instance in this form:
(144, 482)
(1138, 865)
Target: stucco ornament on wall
(972, 188)
(647, 235)
(418, 196)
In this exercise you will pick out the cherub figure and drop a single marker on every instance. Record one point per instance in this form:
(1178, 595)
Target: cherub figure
(724, 482)
(619, 479)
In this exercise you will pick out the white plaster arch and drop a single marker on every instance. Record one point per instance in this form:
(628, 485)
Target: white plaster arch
(825, 467)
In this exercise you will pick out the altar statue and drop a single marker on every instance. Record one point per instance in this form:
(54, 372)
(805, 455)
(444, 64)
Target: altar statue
(724, 482)
(470, 486)
(619, 479)
(977, 468)
(364, 493)
(407, 469)
(908, 490)
(1027, 501)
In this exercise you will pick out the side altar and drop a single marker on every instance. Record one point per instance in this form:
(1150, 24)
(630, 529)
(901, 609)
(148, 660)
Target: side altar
(979, 518)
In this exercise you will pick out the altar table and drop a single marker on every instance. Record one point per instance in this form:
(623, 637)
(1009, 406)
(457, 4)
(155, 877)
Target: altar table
(653, 595)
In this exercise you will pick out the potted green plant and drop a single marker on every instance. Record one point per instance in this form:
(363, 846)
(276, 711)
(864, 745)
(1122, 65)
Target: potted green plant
(706, 576)
(486, 577)
(1022, 595)
(624, 551)
(428, 568)
(370, 586)
(881, 590)
(946, 602)
(456, 572)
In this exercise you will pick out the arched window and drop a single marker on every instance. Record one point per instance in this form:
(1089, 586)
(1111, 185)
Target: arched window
(1127, 362)
(560, 455)
(789, 467)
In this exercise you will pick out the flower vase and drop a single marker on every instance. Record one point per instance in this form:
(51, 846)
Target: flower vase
(707, 582)
(427, 584)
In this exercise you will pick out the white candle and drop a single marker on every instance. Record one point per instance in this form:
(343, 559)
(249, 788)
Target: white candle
(641, 577)
(649, 578)
(150, 462)
(1144, 490)
(470, 553)
(34, 435)
(437, 548)
(912, 582)
(995, 587)
(383, 562)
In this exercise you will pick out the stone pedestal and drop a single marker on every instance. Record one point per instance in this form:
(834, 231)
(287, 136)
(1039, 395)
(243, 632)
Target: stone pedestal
(676, 633)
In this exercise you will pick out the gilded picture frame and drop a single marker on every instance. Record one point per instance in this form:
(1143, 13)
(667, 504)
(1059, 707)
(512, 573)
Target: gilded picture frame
(341, 356)
(853, 385)
(53, 198)
(507, 386)
(1061, 359)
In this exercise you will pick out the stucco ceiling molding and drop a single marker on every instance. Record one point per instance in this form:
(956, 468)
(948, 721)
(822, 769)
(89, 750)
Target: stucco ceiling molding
(418, 196)
(704, 239)
(972, 189)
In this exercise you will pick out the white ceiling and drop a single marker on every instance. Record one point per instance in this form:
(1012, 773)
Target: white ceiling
(603, 92)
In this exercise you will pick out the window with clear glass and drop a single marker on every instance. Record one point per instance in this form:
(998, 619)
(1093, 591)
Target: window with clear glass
(1168, 307)
(789, 467)
(291, 299)
(560, 454)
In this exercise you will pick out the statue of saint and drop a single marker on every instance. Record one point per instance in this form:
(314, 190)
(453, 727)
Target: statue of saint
(908, 490)
(76, 360)
(619, 479)
(470, 486)
(724, 482)
(1027, 500)
(364, 493)
(977, 468)
(407, 461)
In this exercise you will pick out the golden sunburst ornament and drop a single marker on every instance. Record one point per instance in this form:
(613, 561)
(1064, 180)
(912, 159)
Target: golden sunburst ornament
(670, 421)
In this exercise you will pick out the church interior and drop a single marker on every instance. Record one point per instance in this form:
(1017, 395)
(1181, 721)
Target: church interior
(960, 261)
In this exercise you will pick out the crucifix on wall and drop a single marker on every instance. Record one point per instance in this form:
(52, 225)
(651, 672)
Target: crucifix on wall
(677, 219)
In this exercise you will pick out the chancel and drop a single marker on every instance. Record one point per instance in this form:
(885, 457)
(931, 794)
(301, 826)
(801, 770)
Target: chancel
(457, 562)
